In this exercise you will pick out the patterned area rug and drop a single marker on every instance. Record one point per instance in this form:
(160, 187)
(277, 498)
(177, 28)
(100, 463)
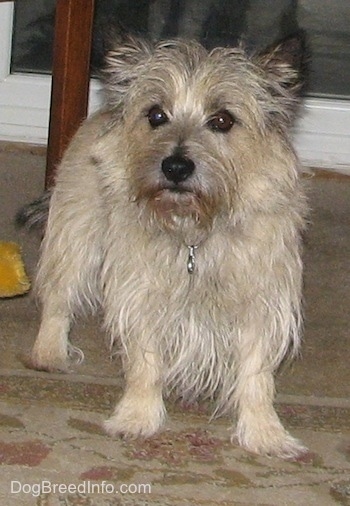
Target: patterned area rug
(54, 452)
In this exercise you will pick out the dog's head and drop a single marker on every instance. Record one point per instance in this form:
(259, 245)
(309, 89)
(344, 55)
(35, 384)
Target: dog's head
(204, 132)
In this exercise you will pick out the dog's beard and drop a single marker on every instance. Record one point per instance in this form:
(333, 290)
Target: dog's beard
(178, 210)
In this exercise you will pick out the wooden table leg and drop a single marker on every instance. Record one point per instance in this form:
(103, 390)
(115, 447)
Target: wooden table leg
(70, 76)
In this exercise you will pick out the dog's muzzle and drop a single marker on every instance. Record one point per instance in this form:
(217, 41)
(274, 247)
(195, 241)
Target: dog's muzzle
(177, 168)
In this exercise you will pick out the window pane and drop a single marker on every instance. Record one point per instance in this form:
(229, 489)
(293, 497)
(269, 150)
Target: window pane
(213, 22)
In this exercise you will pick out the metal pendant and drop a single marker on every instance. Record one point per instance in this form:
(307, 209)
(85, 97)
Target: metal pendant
(191, 262)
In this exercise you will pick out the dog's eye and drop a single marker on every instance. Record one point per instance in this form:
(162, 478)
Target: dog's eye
(221, 122)
(156, 116)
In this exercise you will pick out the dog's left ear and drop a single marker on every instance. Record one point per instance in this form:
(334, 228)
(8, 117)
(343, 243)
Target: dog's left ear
(285, 68)
(286, 62)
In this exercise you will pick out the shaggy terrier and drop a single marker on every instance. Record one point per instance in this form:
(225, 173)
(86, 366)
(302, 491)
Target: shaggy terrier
(178, 209)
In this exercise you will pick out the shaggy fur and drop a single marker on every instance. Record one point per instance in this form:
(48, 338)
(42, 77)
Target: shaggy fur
(178, 209)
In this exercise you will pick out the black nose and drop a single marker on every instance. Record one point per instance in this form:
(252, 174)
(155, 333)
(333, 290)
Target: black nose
(177, 168)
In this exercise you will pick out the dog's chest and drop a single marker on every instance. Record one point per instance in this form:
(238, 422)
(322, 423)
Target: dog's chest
(192, 283)
(168, 286)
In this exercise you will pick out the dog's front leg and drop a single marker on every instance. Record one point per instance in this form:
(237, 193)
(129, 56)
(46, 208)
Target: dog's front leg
(258, 427)
(141, 411)
(50, 351)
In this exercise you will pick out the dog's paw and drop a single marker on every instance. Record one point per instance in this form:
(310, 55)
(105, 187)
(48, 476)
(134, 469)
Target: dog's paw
(46, 363)
(47, 359)
(268, 437)
(136, 417)
(283, 446)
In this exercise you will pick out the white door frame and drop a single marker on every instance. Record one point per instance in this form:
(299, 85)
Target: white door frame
(322, 135)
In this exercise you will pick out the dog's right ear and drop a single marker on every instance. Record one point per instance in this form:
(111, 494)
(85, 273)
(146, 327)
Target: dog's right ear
(122, 65)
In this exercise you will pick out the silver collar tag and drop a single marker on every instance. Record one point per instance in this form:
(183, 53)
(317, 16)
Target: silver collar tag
(191, 261)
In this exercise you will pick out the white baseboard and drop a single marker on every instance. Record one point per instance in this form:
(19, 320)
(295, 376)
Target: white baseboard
(322, 135)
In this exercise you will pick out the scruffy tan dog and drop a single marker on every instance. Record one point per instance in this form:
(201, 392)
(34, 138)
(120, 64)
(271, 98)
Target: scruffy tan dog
(178, 209)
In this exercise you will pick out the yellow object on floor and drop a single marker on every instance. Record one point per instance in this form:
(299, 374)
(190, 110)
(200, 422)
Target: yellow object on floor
(13, 279)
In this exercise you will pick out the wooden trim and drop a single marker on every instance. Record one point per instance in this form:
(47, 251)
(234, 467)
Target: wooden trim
(70, 76)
